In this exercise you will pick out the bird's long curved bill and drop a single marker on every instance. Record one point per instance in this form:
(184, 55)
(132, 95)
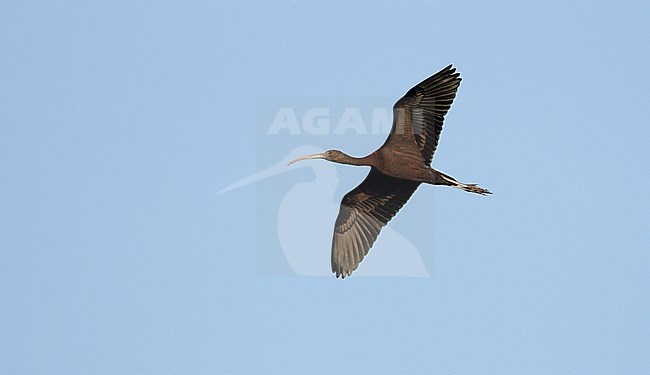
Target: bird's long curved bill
(312, 156)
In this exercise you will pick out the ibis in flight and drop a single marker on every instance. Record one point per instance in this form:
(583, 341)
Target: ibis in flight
(397, 168)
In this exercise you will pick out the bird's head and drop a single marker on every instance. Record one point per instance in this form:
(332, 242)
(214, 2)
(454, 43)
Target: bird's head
(330, 155)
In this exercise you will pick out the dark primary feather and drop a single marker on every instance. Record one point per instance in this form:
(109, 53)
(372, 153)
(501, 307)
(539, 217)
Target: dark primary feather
(364, 211)
(427, 104)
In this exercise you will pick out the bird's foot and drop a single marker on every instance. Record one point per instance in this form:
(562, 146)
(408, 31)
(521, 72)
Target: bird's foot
(473, 188)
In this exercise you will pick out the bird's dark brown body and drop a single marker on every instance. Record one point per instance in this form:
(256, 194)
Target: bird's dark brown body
(397, 163)
(398, 167)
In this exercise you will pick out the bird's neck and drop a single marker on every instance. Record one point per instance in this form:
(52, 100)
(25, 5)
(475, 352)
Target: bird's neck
(363, 161)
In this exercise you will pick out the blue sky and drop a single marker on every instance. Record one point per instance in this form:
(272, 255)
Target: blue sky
(121, 120)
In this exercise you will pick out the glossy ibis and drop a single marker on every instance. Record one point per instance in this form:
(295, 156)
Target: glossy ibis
(398, 167)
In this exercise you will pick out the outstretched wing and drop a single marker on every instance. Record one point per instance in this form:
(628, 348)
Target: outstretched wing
(426, 105)
(364, 211)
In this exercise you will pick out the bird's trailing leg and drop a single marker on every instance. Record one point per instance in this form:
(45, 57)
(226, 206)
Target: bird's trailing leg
(443, 179)
(473, 188)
